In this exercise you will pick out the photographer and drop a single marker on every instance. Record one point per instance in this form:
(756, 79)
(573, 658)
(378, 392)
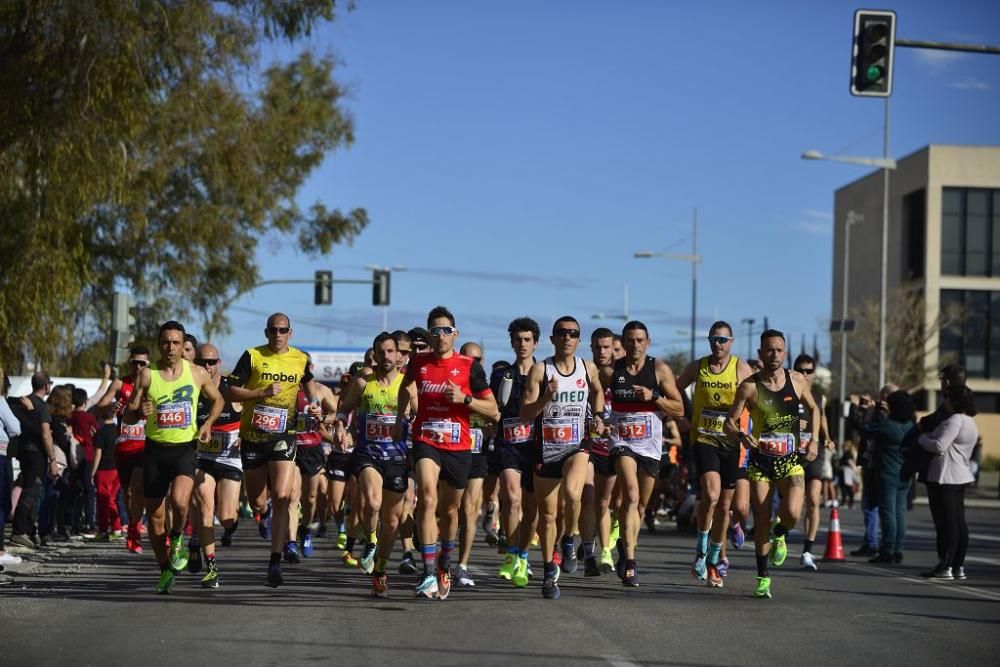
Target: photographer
(864, 420)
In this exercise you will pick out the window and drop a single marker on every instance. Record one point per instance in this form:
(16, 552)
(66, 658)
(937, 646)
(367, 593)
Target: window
(970, 232)
(973, 339)
(914, 219)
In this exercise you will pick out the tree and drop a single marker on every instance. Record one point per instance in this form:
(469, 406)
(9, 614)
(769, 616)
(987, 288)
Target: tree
(908, 348)
(142, 148)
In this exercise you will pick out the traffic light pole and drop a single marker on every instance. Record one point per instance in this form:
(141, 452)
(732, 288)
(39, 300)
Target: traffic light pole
(883, 288)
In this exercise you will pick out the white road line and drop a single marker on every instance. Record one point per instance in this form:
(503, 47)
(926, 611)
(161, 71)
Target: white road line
(618, 661)
(946, 585)
(972, 536)
(988, 561)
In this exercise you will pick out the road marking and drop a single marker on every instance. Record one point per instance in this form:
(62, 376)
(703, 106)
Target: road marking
(988, 561)
(972, 536)
(947, 585)
(619, 661)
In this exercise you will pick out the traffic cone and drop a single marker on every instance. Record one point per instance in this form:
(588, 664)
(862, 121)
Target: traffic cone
(834, 541)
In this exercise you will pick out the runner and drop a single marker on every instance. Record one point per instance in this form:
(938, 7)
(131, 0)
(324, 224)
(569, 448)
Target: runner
(806, 365)
(557, 394)
(595, 518)
(773, 395)
(166, 395)
(266, 380)
(715, 378)
(642, 389)
(131, 445)
(448, 387)
(342, 487)
(405, 345)
(472, 497)
(513, 453)
(219, 476)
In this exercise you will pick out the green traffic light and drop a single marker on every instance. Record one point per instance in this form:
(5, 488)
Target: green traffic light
(873, 73)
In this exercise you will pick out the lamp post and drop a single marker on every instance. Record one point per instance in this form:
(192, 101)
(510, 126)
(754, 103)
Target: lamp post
(385, 309)
(695, 260)
(886, 164)
(749, 322)
(851, 219)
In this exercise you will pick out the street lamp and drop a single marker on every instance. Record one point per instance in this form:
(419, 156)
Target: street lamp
(385, 309)
(886, 164)
(695, 260)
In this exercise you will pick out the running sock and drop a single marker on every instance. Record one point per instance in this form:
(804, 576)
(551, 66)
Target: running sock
(210, 560)
(807, 546)
(446, 548)
(275, 558)
(550, 569)
(780, 530)
(523, 554)
(714, 549)
(762, 566)
(513, 550)
(349, 547)
(428, 554)
(589, 548)
(380, 563)
(702, 546)
(372, 537)
(194, 544)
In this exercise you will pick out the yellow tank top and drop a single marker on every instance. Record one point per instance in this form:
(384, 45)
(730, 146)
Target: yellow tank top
(713, 396)
(273, 416)
(379, 400)
(175, 407)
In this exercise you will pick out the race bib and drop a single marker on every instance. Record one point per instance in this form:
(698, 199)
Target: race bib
(269, 419)
(306, 422)
(560, 431)
(378, 429)
(516, 432)
(441, 432)
(635, 428)
(711, 423)
(221, 442)
(476, 435)
(132, 432)
(805, 437)
(777, 444)
(173, 415)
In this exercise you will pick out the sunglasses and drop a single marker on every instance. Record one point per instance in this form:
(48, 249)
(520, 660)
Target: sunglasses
(404, 351)
(206, 362)
(271, 331)
(138, 362)
(572, 333)
(420, 348)
(442, 331)
(806, 371)
(719, 340)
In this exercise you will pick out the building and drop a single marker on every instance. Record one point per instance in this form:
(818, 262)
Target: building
(944, 243)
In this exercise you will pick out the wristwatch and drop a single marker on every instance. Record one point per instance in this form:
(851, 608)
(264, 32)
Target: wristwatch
(468, 399)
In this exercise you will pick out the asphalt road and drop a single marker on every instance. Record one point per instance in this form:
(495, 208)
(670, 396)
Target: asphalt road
(93, 604)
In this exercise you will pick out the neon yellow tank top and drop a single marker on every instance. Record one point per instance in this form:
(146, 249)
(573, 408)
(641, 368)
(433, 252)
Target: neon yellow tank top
(379, 400)
(175, 407)
(273, 416)
(713, 396)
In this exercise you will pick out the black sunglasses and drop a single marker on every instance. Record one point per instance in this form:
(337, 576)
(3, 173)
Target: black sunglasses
(806, 371)
(271, 331)
(141, 363)
(206, 362)
(572, 333)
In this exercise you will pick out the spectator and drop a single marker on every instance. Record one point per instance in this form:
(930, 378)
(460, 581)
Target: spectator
(848, 477)
(862, 420)
(10, 428)
(57, 501)
(36, 455)
(948, 475)
(889, 433)
(85, 427)
(105, 479)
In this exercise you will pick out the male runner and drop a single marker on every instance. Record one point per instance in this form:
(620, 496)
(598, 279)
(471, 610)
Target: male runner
(472, 496)
(379, 461)
(773, 395)
(513, 451)
(448, 387)
(642, 390)
(557, 394)
(806, 365)
(166, 395)
(715, 379)
(131, 444)
(595, 518)
(266, 380)
(219, 476)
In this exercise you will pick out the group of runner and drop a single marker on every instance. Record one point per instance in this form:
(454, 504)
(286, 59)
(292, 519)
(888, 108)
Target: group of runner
(569, 445)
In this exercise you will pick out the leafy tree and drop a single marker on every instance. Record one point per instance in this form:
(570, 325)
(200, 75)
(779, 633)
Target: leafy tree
(143, 148)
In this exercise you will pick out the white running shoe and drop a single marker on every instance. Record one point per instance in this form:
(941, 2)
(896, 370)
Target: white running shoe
(9, 559)
(808, 562)
(464, 578)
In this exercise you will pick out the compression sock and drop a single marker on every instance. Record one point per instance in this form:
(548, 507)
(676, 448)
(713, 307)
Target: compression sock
(702, 546)
(446, 548)
(429, 554)
(714, 549)
(762, 566)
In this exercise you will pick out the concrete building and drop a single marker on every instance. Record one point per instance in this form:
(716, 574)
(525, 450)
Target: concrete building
(944, 243)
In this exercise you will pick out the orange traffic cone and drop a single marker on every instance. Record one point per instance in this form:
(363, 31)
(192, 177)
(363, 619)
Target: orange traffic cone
(834, 541)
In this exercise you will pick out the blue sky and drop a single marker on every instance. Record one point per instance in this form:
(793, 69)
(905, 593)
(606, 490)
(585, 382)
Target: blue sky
(514, 155)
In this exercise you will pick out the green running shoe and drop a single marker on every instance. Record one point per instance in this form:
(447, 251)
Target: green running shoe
(763, 587)
(509, 565)
(520, 576)
(607, 564)
(211, 579)
(779, 550)
(615, 532)
(166, 583)
(178, 555)
(342, 541)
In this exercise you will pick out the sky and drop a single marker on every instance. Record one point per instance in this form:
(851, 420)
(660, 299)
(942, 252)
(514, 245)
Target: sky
(513, 156)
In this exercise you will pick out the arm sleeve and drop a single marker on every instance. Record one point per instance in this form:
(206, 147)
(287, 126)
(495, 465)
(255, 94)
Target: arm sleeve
(10, 423)
(942, 437)
(241, 373)
(477, 381)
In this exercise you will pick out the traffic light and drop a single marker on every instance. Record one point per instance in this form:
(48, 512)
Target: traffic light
(324, 288)
(380, 287)
(122, 326)
(872, 55)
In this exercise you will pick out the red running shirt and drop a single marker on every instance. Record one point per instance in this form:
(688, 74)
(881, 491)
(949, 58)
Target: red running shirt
(440, 423)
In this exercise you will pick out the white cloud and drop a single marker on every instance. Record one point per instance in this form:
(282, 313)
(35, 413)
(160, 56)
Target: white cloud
(815, 228)
(937, 59)
(970, 83)
(816, 214)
